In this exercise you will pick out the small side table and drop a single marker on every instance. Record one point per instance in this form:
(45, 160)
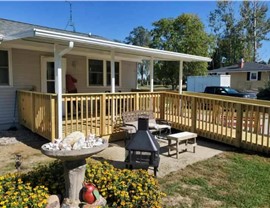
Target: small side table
(180, 138)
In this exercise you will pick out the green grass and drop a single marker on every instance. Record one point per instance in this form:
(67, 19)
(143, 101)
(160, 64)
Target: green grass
(227, 180)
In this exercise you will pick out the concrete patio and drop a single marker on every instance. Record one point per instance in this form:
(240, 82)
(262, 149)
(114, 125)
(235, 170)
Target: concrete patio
(205, 149)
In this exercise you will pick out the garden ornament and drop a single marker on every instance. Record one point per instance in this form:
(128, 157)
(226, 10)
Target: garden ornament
(90, 193)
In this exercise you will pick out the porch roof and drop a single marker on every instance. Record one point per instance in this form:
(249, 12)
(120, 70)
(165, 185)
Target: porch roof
(81, 41)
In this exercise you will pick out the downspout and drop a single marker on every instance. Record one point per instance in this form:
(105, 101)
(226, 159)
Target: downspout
(58, 82)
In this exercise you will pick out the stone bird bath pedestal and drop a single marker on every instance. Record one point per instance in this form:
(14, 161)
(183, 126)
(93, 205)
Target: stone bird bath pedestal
(74, 169)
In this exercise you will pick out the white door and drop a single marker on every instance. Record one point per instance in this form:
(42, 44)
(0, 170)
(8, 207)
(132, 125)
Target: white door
(48, 76)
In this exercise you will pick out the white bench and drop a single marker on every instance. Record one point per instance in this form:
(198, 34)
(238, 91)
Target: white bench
(180, 138)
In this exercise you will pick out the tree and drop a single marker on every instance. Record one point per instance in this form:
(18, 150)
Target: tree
(227, 33)
(255, 24)
(184, 34)
(241, 37)
(141, 37)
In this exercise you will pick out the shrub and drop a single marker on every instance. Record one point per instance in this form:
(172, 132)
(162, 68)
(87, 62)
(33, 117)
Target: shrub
(50, 176)
(264, 93)
(121, 188)
(124, 188)
(15, 193)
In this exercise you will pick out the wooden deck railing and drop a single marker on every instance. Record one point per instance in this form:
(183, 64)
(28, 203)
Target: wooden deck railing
(101, 113)
(235, 121)
(37, 112)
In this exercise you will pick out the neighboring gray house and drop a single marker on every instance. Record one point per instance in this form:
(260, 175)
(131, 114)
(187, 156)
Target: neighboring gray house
(245, 76)
(33, 57)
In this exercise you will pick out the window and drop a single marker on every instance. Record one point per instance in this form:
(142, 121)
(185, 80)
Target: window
(116, 66)
(254, 76)
(4, 68)
(98, 68)
(95, 72)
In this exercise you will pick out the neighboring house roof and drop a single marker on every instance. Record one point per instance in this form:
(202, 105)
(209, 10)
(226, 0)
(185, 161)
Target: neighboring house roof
(10, 27)
(248, 67)
(13, 30)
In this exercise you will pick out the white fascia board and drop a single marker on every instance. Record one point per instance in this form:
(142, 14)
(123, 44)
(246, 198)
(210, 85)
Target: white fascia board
(120, 46)
(16, 36)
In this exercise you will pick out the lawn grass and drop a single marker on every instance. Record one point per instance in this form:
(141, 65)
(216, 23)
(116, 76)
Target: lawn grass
(227, 180)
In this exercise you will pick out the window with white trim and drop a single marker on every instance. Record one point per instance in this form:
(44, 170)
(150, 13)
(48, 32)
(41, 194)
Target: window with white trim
(254, 76)
(4, 68)
(98, 68)
(95, 72)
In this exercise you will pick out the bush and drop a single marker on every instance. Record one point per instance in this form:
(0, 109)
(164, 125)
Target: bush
(124, 188)
(50, 176)
(15, 193)
(121, 188)
(264, 93)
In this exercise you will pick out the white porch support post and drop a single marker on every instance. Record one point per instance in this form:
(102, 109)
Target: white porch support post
(112, 72)
(151, 75)
(113, 83)
(58, 82)
(180, 76)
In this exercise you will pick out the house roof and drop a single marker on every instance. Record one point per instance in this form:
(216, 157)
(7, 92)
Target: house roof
(248, 67)
(13, 30)
(10, 27)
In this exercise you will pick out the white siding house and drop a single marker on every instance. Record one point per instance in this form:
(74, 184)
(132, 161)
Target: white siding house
(37, 58)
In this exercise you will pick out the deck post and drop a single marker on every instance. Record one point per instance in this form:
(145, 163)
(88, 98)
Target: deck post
(137, 98)
(239, 124)
(193, 114)
(103, 114)
(52, 106)
(162, 106)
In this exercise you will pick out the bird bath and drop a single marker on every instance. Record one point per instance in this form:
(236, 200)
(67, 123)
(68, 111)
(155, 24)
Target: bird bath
(74, 169)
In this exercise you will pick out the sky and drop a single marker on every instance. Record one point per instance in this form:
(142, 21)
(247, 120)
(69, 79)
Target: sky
(110, 19)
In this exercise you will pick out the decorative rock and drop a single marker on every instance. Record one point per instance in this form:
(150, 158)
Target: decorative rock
(74, 141)
(53, 202)
(74, 137)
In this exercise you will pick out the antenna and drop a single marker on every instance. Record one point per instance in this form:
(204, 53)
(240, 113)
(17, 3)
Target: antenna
(70, 22)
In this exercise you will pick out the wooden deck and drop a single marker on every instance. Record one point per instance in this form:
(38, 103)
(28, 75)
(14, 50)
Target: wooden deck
(238, 122)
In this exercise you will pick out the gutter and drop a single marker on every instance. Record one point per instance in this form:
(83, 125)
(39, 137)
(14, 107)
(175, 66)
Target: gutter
(114, 45)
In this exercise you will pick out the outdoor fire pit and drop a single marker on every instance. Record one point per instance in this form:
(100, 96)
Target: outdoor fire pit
(74, 162)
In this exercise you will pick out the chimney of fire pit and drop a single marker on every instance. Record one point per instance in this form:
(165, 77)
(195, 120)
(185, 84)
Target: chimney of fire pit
(143, 140)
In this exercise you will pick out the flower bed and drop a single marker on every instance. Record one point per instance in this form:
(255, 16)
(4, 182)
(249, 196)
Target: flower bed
(124, 188)
(15, 192)
(121, 188)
